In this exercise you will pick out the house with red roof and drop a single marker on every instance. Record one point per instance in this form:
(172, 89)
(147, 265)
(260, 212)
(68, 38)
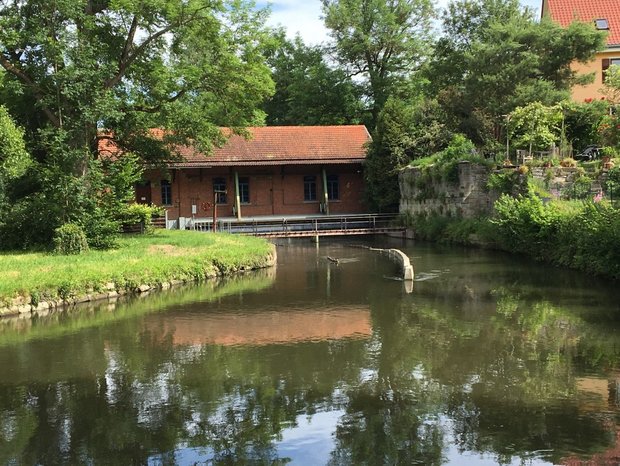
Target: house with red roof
(605, 15)
(277, 170)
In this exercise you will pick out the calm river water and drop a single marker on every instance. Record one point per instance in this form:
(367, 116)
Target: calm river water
(488, 359)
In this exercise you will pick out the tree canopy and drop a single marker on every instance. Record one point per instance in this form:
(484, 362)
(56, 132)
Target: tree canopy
(77, 71)
(307, 90)
(494, 56)
(128, 66)
(381, 41)
(14, 159)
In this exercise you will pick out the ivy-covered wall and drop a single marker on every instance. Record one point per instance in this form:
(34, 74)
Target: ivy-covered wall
(424, 191)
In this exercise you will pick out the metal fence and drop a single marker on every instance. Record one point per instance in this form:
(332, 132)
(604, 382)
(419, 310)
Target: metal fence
(324, 225)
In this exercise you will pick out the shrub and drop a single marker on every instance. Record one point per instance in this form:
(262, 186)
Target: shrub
(612, 183)
(583, 235)
(140, 213)
(502, 181)
(70, 239)
(444, 164)
(610, 152)
(580, 188)
(525, 224)
(101, 231)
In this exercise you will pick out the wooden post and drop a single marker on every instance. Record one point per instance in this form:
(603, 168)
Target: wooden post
(325, 194)
(237, 196)
(215, 193)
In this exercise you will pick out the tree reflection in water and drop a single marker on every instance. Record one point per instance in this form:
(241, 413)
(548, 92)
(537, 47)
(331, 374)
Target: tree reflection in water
(462, 366)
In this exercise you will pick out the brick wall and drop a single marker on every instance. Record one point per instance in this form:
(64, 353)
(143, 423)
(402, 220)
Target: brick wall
(274, 190)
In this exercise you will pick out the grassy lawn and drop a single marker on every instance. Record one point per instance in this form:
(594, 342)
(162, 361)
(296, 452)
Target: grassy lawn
(142, 259)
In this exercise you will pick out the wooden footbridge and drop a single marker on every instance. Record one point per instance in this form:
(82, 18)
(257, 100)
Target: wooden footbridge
(303, 226)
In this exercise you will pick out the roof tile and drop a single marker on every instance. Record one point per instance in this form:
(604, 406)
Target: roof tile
(565, 12)
(277, 145)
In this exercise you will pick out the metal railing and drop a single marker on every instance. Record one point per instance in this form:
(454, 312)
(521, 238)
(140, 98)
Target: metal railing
(345, 224)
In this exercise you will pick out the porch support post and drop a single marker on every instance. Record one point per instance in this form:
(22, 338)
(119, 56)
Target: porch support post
(237, 196)
(325, 196)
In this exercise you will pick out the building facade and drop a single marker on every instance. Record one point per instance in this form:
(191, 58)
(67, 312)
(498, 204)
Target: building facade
(605, 16)
(278, 171)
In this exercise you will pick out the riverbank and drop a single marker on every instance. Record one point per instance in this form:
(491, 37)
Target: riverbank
(39, 281)
(582, 235)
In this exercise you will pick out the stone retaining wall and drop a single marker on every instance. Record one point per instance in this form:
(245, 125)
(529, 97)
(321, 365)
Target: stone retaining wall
(468, 197)
(559, 180)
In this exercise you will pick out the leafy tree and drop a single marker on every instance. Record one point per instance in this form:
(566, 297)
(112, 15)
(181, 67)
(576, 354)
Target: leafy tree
(611, 88)
(381, 41)
(494, 56)
(76, 67)
(307, 90)
(14, 159)
(610, 125)
(405, 131)
(582, 122)
(535, 125)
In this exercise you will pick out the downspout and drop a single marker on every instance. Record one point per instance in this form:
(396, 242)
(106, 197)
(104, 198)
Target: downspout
(237, 196)
(325, 196)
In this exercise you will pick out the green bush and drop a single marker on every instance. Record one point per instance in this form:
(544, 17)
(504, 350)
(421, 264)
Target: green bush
(525, 224)
(583, 235)
(505, 181)
(102, 232)
(580, 189)
(70, 239)
(444, 164)
(612, 183)
(140, 214)
(436, 227)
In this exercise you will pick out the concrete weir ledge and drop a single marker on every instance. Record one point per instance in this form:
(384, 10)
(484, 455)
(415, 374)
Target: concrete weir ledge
(401, 259)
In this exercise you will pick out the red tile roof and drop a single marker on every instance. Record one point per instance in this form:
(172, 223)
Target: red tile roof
(279, 145)
(565, 12)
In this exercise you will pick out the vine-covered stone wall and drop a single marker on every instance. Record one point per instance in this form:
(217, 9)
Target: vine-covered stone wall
(424, 191)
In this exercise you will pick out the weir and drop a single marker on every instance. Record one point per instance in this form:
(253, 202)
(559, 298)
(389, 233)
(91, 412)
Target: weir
(401, 259)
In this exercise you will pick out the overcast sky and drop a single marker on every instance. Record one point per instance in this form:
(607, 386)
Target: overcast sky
(304, 17)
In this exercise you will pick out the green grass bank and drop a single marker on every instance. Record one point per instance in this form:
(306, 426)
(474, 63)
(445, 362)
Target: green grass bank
(30, 281)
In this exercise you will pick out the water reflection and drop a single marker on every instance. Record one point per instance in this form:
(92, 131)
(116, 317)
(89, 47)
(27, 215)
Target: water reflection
(266, 327)
(492, 361)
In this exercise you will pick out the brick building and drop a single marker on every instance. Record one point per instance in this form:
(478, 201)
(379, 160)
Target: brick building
(279, 170)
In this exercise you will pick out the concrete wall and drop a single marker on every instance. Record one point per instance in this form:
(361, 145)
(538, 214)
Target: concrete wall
(274, 190)
(468, 197)
(402, 260)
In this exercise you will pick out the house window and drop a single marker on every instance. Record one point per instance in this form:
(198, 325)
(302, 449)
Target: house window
(166, 192)
(333, 191)
(601, 24)
(219, 186)
(310, 188)
(607, 62)
(244, 190)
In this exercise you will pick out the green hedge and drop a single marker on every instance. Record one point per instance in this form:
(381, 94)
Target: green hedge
(584, 235)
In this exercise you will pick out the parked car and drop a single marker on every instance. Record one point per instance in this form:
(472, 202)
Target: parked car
(589, 153)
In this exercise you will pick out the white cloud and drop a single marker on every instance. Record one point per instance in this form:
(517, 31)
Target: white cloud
(301, 17)
(304, 17)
